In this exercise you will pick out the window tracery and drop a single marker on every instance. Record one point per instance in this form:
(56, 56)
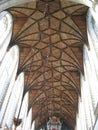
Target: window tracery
(5, 34)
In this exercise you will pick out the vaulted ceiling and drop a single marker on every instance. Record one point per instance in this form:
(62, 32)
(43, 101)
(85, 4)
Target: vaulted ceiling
(51, 35)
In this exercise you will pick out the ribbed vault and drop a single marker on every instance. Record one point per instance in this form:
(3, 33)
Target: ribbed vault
(51, 36)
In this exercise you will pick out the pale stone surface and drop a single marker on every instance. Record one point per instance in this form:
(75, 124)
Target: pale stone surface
(96, 125)
(10, 3)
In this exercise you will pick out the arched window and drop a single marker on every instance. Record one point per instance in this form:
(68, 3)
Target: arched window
(28, 121)
(5, 32)
(92, 62)
(23, 111)
(21, 94)
(86, 100)
(7, 96)
(94, 11)
(6, 71)
(13, 101)
(92, 30)
(33, 125)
